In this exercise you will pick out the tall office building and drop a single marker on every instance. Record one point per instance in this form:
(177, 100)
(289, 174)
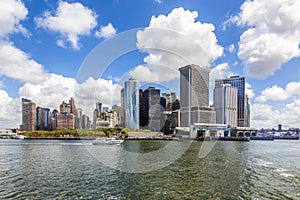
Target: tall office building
(66, 119)
(247, 104)
(225, 103)
(130, 100)
(40, 118)
(97, 113)
(194, 96)
(170, 98)
(151, 109)
(28, 115)
(118, 110)
(99, 106)
(239, 83)
(47, 119)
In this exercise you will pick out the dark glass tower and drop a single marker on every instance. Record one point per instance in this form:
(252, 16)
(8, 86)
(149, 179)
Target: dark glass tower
(239, 83)
(151, 109)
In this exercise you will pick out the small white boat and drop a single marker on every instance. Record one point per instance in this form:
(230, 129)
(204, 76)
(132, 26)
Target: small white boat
(111, 141)
(19, 137)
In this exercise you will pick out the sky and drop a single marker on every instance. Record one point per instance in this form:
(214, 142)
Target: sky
(53, 50)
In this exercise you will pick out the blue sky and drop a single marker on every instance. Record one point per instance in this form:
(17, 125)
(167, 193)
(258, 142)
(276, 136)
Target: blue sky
(45, 47)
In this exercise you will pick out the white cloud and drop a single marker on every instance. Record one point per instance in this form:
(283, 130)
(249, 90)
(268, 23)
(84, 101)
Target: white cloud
(10, 111)
(231, 48)
(221, 71)
(175, 40)
(153, 73)
(16, 64)
(276, 93)
(71, 20)
(273, 37)
(159, 1)
(11, 13)
(249, 91)
(106, 31)
(266, 116)
(293, 88)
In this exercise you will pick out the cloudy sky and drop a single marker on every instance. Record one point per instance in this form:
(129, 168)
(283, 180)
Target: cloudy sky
(51, 50)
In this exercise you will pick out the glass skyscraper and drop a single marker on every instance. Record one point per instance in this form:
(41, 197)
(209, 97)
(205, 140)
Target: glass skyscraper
(239, 83)
(130, 104)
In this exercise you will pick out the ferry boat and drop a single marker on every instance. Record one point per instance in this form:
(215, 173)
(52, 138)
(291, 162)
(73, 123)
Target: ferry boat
(110, 141)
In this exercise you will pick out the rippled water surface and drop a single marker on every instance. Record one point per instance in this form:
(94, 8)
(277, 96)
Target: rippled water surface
(50, 169)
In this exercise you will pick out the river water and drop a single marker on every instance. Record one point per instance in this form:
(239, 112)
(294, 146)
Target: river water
(57, 169)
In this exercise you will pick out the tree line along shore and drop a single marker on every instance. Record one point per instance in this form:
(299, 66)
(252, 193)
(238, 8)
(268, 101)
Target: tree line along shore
(79, 134)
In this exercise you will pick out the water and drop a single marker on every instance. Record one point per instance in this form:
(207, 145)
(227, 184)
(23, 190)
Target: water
(49, 169)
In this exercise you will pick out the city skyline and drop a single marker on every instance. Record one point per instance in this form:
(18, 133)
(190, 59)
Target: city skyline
(42, 48)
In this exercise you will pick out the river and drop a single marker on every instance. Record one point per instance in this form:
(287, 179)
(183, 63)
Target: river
(58, 169)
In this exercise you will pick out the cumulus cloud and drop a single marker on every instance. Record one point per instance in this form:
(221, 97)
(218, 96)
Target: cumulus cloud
(174, 40)
(106, 31)
(249, 91)
(11, 13)
(15, 63)
(266, 116)
(10, 111)
(220, 71)
(276, 93)
(70, 20)
(273, 37)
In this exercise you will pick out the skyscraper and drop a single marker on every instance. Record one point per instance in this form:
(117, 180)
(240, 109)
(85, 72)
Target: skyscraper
(66, 119)
(194, 96)
(99, 106)
(239, 83)
(151, 109)
(247, 104)
(130, 99)
(225, 103)
(28, 115)
(170, 98)
(40, 118)
(47, 119)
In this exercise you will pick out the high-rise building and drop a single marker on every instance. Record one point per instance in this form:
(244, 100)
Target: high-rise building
(130, 100)
(97, 113)
(47, 119)
(247, 104)
(65, 108)
(99, 106)
(239, 83)
(40, 118)
(225, 103)
(54, 117)
(78, 121)
(194, 96)
(151, 109)
(28, 115)
(105, 109)
(170, 98)
(118, 110)
(66, 118)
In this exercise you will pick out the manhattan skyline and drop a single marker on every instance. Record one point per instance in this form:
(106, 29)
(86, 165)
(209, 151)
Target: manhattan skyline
(44, 43)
